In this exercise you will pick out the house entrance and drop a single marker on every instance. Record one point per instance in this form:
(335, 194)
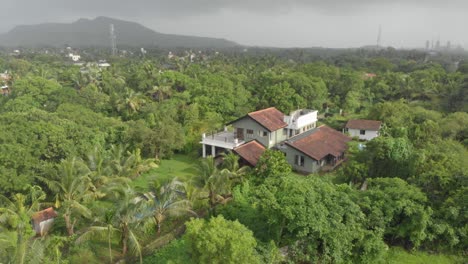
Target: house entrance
(240, 133)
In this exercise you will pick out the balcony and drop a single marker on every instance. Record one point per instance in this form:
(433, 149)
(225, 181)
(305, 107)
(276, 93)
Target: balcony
(224, 139)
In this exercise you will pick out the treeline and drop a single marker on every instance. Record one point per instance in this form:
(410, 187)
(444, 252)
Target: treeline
(75, 138)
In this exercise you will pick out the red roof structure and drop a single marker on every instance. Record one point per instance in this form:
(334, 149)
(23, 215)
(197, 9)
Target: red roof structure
(320, 142)
(270, 118)
(363, 124)
(44, 215)
(250, 151)
(369, 75)
(43, 220)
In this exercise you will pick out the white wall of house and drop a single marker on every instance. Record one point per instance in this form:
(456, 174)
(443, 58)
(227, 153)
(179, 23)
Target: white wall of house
(299, 161)
(368, 134)
(301, 118)
(252, 130)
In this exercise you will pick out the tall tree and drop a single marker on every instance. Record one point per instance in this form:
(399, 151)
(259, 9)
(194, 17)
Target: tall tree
(166, 200)
(214, 181)
(72, 187)
(122, 220)
(220, 241)
(15, 215)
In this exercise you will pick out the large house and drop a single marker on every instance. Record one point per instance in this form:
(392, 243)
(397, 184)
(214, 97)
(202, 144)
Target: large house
(363, 129)
(306, 147)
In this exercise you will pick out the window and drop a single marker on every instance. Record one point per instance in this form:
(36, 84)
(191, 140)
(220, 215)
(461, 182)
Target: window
(299, 160)
(250, 133)
(265, 133)
(362, 132)
(285, 131)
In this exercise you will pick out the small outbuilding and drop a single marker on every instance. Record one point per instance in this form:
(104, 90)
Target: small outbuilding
(363, 129)
(42, 221)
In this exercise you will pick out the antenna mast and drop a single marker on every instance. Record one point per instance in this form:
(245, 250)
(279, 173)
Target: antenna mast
(379, 36)
(113, 40)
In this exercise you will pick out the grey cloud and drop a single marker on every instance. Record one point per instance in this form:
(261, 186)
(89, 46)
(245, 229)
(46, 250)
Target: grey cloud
(337, 22)
(175, 8)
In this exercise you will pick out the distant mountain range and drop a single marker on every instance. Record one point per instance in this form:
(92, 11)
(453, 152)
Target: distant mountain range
(96, 33)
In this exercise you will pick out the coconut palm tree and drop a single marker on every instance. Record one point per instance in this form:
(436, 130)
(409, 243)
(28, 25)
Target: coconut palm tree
(130, 102)
(102, 173)
(105, 231)
(161, 92)
(72, 187)
(122, 221)
(129, 164)
(15, 215)
(166, 200)
(231, 163)
(216, 183)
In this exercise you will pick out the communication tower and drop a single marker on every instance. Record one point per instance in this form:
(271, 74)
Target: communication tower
(113, 40)
(379, 36)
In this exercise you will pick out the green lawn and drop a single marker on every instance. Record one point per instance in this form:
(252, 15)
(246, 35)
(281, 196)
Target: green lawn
(181, 166)
(400, 256)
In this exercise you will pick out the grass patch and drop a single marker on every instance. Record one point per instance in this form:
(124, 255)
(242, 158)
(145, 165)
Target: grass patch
(181, 166)
(398, 255)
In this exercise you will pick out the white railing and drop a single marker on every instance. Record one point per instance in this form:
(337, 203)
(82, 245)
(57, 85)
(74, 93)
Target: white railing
(224, 139)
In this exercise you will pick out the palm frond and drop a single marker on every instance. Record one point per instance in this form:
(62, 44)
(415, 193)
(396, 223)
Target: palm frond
(134, 245)
(81, 209)
(36, 252)
(97, 232)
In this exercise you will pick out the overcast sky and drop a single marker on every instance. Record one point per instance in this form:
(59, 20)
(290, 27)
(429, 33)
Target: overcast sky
(279, 23)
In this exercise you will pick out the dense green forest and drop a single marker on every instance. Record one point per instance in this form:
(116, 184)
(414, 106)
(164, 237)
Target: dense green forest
(116, 152)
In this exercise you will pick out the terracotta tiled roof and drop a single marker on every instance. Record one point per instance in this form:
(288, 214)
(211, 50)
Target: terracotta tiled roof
(320, 142)
(44, 215)
(369, 75)
(364, 124)
(270, 118)
(250, 151)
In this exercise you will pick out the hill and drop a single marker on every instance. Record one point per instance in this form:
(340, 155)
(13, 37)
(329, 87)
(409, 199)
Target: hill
(95, 32)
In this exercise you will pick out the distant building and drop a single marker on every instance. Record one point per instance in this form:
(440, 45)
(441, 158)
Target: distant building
(103, 64)
(369, 75)
(5, 79)
(363, 129)
(42, 221)
(170, 55)
(74, 57)
(5, 90)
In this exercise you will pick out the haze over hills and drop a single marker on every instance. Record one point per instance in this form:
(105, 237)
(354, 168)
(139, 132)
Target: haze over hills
(95, 32)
